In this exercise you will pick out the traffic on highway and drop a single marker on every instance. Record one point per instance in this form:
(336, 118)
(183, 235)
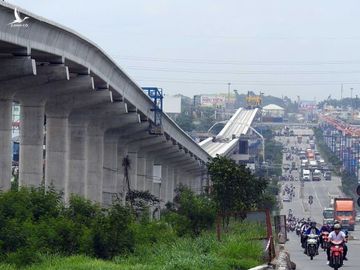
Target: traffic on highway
(322, 230)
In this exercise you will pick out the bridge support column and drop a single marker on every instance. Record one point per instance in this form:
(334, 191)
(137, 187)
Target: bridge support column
(110, 169)
(149, 172)
(5, 143)
(141, 172)
(95, 162)
(121, 186)
(164, 184)
(156, 185)
(31, 144)
(77, 157)
(133, 157)
(176, 178)
(170, 185)
(57, 151)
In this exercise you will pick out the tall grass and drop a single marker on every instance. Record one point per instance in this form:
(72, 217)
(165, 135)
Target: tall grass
(237, 250)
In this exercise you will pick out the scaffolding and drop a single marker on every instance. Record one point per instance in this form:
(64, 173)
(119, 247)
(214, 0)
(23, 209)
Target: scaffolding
(156, 95)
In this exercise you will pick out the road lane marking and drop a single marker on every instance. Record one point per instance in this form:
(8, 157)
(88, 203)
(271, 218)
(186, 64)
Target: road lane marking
(317, 198)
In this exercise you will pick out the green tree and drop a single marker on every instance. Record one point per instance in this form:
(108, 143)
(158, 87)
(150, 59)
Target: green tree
(185, 121)
(234, 187)
(190, 213)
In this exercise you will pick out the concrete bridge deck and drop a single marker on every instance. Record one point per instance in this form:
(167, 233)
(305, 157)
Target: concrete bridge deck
(94, 115)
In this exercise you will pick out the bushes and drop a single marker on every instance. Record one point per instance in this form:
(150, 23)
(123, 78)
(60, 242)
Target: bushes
(35, 225)
(34, 221)
(190, 213)
(111, 234)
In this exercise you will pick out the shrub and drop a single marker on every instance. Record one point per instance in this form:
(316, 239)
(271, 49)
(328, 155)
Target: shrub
(190, 213)
(36, 221)
(111, 234)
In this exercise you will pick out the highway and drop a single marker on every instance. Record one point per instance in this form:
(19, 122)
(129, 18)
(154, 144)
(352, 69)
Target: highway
(320, 190)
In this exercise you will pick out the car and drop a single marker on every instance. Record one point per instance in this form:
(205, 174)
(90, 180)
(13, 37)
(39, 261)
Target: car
(327, 175)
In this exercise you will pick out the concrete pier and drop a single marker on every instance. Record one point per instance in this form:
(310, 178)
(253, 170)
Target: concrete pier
(77, 156)
(57, 152)
(31, 143)
(110, 169)
(5, 143)
(95, 162)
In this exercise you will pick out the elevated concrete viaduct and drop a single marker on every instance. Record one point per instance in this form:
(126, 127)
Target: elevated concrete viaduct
(81, 115)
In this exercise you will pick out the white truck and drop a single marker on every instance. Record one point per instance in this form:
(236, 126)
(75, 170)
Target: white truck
(306, 175)
(313, 164)
(316, 175)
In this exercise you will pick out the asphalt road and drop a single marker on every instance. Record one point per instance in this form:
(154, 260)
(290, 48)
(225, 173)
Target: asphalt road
(320, 190)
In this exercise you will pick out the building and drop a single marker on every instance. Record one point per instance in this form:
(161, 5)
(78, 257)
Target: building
(15, 119)
(273, 113)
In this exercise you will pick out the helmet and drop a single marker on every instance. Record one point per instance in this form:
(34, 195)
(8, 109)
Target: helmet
(313, 224)
(337, 226)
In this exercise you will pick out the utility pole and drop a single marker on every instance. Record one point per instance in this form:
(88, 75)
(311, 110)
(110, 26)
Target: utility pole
(341, 96)
(351, 96)
(229, 94)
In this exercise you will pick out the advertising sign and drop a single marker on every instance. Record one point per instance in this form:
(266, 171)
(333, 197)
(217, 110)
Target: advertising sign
(212, 101)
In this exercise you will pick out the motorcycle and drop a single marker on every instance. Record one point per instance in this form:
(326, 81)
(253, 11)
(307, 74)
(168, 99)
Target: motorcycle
(312, 245)
(324, 243)
(336, 254)
(292, 226)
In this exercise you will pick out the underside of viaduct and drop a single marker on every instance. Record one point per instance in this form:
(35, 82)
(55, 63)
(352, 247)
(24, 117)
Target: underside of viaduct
(81, 115)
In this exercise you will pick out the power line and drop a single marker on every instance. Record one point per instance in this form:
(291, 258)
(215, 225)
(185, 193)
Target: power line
(260, 72)
(264, 83)
(232, 62)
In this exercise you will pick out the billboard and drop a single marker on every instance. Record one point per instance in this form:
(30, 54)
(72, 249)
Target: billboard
(172, 104)
(212, 100)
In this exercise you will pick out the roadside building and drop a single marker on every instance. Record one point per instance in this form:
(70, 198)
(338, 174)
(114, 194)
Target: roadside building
(273, 113)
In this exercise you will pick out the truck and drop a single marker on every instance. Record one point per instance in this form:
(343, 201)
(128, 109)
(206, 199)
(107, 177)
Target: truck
(306, 175)
(328, 216)
(313, 165)
(316, 175)
(310, 154)
(344, 212)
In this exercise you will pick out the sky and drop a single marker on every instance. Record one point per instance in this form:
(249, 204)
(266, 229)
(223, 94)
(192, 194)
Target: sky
(305, 48)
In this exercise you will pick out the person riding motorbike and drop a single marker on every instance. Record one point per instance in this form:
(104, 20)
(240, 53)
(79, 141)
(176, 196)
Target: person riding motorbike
(303, 229)
(312, 230)
(324, 228)
(337, 235)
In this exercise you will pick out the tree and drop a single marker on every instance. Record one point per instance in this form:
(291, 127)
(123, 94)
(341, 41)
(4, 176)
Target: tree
(234, 187)
(185, 122)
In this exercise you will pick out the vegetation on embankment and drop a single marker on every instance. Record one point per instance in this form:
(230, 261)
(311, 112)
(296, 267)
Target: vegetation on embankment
(237, 250)
(38, 231)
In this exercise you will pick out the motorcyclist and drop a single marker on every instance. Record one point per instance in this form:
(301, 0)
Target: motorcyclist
(303, 229)
(337, 235)
(312, 230)
(324, 228)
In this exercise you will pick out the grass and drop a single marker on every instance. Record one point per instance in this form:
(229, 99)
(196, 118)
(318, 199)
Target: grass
(237, 251)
